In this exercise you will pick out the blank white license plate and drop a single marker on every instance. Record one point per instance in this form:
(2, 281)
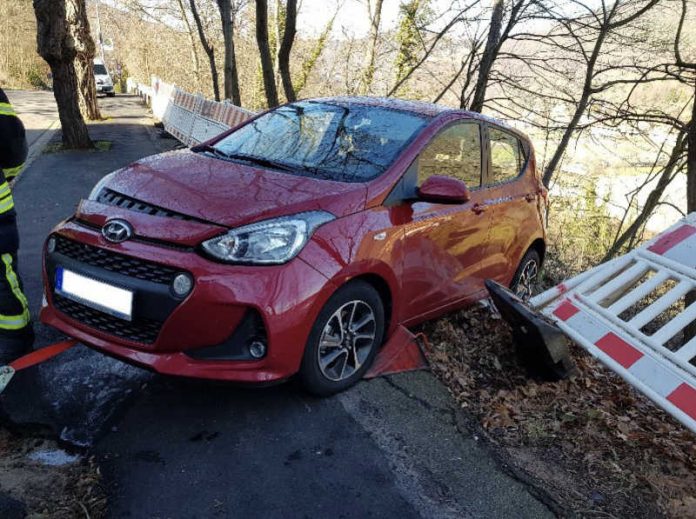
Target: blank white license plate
(95, 294)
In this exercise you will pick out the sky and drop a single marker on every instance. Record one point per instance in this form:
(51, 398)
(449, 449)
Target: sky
(314, 14)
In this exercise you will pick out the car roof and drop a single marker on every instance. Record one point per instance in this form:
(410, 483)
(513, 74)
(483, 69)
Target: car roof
(423, 108)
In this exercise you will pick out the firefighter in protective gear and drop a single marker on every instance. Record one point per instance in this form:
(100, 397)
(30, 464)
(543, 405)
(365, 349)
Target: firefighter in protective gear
(16, 335)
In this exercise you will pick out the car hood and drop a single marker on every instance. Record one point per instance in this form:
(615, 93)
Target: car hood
(230, 193)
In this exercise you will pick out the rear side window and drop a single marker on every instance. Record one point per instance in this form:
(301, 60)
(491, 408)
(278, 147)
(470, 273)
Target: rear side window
(507, 156)
(455, 152)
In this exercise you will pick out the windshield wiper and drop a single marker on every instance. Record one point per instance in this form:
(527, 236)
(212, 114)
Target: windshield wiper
(207, 148)
(261, 161)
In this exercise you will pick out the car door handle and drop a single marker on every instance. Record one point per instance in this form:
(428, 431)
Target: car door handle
(478, 208)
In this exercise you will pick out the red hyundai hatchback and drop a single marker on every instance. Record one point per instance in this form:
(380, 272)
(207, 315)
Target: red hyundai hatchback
(298, 241)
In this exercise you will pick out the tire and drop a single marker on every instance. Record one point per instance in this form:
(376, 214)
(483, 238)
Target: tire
(520, 286)
(111, 94)
(324, 366)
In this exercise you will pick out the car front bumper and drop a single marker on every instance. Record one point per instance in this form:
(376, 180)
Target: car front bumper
(193, 336)
(103, 89)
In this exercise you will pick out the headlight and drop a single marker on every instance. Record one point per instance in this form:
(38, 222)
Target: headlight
(94, 194)
(270, 242)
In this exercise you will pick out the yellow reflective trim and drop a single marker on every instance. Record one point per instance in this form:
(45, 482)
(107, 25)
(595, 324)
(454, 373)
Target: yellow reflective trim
(4, 190)
(6, 205)
(10, 173)
(14, 322)
(6, 109)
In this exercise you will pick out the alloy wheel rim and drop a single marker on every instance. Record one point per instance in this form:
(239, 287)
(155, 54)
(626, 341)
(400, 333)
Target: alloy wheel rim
(347, 340)
(525, 284)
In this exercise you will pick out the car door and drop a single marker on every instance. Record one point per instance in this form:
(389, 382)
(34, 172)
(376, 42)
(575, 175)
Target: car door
(513, 198)
(443, 243)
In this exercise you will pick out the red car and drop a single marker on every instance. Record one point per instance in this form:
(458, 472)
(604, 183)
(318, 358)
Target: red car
(298, 241)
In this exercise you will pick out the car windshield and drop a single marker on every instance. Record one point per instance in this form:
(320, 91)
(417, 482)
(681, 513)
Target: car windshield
(100, 70)
(348, 143)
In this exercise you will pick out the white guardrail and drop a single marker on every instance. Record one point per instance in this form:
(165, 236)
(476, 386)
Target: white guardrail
(191, 118)
(627, 313)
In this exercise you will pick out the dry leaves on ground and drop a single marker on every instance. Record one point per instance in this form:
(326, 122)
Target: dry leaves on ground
(593, 442)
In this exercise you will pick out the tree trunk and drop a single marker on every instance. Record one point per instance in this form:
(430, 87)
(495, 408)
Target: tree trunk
(55, 44)
(369, 74)
(286, 47)
(230, 69)
(265, 53)
(652, 201)
(275, 41)
(489, 55)
(78, 23)
(691, 161)
(580, 108)
(311, 61)
(690, 330)
(208, 48)
(75, 134)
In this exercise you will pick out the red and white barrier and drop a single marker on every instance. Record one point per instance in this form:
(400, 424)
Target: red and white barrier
(657, 275)
(190, 118)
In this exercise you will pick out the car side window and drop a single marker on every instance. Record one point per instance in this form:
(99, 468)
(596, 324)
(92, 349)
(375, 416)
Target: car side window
(454, 152)
(507, 156)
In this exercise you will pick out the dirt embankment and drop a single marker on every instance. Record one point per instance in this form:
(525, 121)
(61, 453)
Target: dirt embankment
(600, 448)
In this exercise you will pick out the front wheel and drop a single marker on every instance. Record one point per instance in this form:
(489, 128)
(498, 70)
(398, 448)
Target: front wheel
(344, 339)
(524, 281)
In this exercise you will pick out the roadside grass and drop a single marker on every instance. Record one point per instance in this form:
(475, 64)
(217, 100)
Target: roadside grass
(57, 147)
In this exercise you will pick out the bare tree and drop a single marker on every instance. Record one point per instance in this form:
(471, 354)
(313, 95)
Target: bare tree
(228, 13)
(375, 19)
(316, 51)
(406, 68)
(589, 33)
(490, 52)
(691, 153)
(194, 50)
(85, 49)
(265, 53)
(208, 48)
(57, 46)
(285, 48)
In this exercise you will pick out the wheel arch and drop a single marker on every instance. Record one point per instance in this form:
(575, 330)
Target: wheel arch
(385, 293)
(538, 245)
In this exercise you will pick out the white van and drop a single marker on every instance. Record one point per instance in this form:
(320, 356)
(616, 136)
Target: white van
(102, 79)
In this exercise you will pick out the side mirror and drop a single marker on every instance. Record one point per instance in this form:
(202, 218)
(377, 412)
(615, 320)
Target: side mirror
(443, 190)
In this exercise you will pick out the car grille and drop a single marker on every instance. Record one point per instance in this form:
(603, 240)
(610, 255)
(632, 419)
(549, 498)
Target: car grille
(138, 330)
(109, 197)
(114, 262)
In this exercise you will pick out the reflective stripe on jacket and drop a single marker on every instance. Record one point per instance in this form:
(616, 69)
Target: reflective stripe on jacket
(6, 109)
(9, 282)
(13, 154)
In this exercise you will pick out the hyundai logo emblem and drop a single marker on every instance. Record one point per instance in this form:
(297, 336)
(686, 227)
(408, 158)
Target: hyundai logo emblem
(117, 231)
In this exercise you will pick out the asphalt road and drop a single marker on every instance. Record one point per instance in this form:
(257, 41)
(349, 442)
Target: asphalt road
(392, 447)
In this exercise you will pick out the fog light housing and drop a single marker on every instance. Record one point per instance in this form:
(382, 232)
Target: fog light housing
(257, 349)
(182, 285)
(51, 245)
